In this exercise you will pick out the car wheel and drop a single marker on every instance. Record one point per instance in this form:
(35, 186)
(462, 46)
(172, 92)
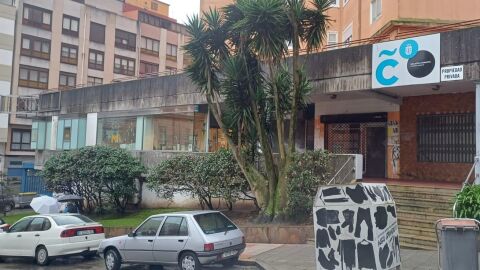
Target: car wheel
(189, 261)
(230, 262)
(41, 256)
(112, 260)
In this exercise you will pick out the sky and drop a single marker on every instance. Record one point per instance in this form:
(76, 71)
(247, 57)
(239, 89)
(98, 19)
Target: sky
(181, 9)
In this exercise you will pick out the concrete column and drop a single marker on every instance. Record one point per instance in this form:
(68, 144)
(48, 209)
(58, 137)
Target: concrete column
(477, 133)
(91, 138)
(53, 133)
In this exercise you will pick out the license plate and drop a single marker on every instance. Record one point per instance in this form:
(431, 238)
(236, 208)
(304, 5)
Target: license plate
(229, 253)
(85, 232)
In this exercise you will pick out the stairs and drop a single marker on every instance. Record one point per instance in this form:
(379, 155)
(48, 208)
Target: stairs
(418, 208)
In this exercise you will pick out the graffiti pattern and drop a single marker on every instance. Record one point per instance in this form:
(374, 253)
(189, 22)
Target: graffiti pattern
(356, 228)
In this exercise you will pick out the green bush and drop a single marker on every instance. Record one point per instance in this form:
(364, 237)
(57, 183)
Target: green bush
(305, 174)
(468, 202)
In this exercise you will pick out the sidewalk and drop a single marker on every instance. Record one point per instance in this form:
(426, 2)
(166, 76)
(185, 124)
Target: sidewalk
(302, 257)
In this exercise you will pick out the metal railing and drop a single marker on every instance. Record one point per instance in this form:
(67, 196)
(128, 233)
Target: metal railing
(465, 183)
(344, 170)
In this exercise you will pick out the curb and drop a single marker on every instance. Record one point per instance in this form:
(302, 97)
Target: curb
(251, 263)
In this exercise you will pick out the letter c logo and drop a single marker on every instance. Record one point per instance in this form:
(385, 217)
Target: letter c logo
(379, 72)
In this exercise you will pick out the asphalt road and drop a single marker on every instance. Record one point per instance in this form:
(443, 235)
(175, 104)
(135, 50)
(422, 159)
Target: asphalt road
(78, 263)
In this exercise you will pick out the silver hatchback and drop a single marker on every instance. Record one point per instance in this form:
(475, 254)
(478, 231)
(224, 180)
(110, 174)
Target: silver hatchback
(187, 239)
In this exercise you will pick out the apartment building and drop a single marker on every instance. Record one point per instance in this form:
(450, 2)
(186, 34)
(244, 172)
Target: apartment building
(361, 19)
(63, 44)
(7, 34)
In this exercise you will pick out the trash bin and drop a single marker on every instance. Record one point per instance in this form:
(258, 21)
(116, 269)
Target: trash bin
(457, 243)
(356, 228)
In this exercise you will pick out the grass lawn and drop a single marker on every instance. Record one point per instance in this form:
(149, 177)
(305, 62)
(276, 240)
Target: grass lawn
(130, 219)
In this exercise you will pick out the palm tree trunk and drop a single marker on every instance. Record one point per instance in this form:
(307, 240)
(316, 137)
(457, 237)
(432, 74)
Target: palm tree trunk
(278, 117)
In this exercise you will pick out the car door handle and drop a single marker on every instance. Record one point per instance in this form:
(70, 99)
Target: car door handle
(181, 240)
(150, 241)
(37, 235)
(19, 235)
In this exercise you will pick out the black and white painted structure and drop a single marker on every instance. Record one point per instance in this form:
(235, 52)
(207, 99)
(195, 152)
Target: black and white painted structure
(356, 228)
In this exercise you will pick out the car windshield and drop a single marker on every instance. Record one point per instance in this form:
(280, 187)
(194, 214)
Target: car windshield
(214, 223)
(71, 220)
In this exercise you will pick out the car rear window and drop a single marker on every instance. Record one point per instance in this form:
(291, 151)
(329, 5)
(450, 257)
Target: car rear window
(214, 223)
(71, 220)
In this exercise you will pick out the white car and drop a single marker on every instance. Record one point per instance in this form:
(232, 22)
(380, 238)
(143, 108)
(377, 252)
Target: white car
(45, 237)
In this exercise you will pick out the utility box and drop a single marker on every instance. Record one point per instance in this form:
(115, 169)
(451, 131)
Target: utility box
(457, 242)
(356, 227)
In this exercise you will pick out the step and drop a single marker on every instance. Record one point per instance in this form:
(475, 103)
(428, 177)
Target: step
(416, 246)
(425, 203)
(437, 190)
(415, 230)
(422, 195)
(445, 212)
(415, 223)
(418, 240)
(420, 215)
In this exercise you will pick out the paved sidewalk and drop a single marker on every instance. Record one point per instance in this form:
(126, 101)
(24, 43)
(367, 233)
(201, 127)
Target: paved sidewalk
(302, 257)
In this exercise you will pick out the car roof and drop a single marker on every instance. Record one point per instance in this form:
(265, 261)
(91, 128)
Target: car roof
(53, 215)
(188, 213)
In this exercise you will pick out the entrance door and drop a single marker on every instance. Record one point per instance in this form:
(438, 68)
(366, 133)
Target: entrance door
(375, 157)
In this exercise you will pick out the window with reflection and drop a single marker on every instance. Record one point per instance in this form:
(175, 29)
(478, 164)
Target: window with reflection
(171, 132)
(117, 132)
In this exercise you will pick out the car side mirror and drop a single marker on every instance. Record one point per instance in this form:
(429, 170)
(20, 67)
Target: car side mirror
(132, 234)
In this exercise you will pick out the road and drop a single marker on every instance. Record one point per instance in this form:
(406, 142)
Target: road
(78, 263)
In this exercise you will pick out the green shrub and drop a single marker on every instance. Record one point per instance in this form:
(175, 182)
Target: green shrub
(468, 202)
(305, 174)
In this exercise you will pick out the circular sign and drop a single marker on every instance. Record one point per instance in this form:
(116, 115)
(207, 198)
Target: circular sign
(409, 49)
(421, 65)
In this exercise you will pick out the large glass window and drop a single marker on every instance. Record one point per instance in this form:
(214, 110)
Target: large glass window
(118, 132)
(125, 40)
(35, 47)
(173, 132)
(33, 77)
(38, 17)
(150, 46)
(20, 140)
(124, 65)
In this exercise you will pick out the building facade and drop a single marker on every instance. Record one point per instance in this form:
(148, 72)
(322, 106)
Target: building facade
(353, 20)
(64, 44)
(410, 115)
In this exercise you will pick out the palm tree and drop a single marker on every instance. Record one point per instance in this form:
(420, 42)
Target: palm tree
(240, 60)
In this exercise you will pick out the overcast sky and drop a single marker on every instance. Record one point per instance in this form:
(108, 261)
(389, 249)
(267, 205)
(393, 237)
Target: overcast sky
(181, 9)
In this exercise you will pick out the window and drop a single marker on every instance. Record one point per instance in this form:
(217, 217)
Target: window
(20, 226)
(149, 227)
(348, 35)
(67, 80)
(375, 9)
(171, 52)
(20, 140)
(332, 39)
(92, 81)
(171, 70)
(69, 54)
(150, 46)
(70, 25)
(97, 33)
(71, 220)
(335, 3)
(95, 60)
(67, 134)
(117, 132)
(174, 226)
(37, 17)
(172, 132)
(125, 40)
(33, 77)
(148, 68)
(124, 65)
(154, 20)
(39, 224)
(345, 2)
(35, 47)
(446, 138)
(214, 223)
(154, 6)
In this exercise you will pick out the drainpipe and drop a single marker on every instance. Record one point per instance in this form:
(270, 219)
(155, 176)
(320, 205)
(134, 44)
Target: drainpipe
(477, 132)
(82, 63)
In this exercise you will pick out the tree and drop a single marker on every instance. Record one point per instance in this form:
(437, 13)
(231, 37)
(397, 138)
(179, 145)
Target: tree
(203, 177)
(251, 105)
(100, 174)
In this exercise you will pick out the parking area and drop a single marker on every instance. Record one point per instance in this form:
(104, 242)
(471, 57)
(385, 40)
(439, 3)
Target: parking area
(78, 263)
